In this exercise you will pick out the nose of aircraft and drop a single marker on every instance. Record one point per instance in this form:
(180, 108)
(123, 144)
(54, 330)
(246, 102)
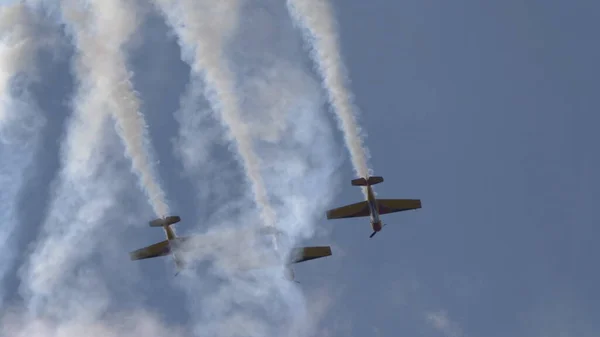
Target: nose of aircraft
(377, 226)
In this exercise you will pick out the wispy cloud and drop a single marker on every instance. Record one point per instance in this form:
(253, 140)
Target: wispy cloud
(442, 322)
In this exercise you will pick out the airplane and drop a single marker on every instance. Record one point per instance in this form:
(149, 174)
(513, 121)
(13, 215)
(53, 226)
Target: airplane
(164, 247)
(172, 246)
(372, 207)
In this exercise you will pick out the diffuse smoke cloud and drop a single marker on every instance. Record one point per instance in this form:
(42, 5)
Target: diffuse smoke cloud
(280, 107)
(138, 323)
(88, 184)
(298, 164)
(20, 122)
(242, 302)
(17, 50)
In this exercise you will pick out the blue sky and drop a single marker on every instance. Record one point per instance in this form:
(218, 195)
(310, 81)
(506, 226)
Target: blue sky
(485, 112)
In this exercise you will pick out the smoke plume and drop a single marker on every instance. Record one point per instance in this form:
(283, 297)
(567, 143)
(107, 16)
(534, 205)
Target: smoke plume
(280, 107)
(319, 28)
(20, 122)
(203, 28)
(77, 278)
(101, 33)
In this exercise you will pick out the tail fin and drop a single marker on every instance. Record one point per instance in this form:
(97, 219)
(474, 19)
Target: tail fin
(367, 182)
(167, 221)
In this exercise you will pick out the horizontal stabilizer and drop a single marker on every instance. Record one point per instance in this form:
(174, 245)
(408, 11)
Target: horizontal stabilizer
(165, 221)
(367, 182)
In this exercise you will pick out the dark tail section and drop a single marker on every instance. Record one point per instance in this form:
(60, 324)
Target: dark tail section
(165, 221)
(367, 182)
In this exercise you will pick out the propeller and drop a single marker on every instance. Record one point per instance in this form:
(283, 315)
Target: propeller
(373, 234)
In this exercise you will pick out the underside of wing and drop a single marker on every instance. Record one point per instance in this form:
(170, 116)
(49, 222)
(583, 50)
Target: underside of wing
(309, 253)
(397, 205)
(158, 249)
(359, 209)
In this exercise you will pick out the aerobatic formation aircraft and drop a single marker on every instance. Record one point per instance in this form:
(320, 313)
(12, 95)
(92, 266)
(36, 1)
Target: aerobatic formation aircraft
(173, 246)
(372, 207)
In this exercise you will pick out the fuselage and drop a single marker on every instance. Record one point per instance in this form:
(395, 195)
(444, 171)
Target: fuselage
(375, 220)
(170, 233)
(172, 243)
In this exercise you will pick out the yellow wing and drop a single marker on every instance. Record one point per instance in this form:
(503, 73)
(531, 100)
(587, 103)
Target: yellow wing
(349, 211)
(158, 249)
(309, 253)
(397, 205)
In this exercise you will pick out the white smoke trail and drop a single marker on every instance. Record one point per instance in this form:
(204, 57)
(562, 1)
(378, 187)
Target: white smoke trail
(280, 108)
(71, 296)
(20, 123)
(17, 47)
(78, 203)
(283, 108)
(66, 281)
(75, 281)
(203, 28)
(235, 305)
(319, 29)
(87, 186)
(298, 155)
(101, 33)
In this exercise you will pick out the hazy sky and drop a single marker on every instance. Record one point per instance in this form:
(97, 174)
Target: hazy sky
(484, 111)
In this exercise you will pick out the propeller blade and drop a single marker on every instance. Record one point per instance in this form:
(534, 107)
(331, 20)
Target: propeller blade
(372, 235)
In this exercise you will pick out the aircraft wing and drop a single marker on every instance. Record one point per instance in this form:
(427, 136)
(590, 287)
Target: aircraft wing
(349, 211)
(157, 249)
(397, 205)
(302, 254)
